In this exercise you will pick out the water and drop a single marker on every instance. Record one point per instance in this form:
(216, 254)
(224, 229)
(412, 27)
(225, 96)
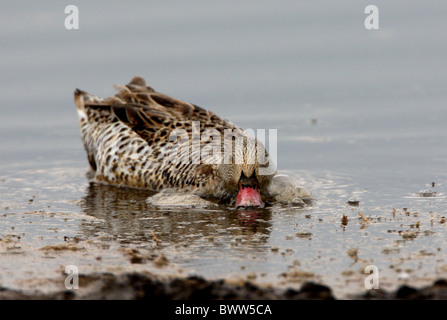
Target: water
(360, 114)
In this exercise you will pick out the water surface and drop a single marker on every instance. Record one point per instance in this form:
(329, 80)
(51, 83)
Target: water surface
(360, 115)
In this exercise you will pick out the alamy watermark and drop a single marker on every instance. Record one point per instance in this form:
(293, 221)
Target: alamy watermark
(372, 20)
(232, 146)
(372, 281)
(72, 18)
(72, 280)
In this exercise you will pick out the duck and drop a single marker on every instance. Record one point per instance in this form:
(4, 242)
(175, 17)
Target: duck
(146, 139)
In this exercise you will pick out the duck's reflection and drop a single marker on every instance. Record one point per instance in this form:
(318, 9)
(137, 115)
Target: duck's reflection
(126, 216)
(248, 217)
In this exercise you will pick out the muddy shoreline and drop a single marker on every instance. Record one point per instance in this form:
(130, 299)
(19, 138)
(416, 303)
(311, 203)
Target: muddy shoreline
(141, 286)
(117, 267)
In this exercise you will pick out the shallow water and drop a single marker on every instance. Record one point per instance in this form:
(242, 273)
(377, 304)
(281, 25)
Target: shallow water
(360, 115)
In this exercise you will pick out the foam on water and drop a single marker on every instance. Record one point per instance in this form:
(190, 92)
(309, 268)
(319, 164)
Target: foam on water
(286, 190)
(179, 198)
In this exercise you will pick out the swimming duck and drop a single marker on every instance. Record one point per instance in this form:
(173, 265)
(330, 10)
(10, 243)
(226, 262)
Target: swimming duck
(145, 139)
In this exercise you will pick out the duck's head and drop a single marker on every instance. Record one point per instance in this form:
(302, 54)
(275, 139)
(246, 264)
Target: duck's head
(246, 172)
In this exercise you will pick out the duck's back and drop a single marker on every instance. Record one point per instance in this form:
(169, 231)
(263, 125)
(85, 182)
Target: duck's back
(129, 138)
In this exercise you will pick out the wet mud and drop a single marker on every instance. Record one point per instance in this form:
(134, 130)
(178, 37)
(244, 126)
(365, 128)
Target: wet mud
(136, 286)
(144, 286)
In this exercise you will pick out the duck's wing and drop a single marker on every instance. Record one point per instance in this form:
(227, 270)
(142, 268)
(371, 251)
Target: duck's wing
(152, 115)
(137, 100)
(159, 118)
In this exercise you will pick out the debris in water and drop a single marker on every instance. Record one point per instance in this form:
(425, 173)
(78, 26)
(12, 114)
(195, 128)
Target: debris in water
(344, 220)
(353, 253)
(155, 237)
(353, 202)
(304, 234)
(297, 274)
(427, 193)
(161, 261)
(364, 218)
(408, 234)
(136, 256)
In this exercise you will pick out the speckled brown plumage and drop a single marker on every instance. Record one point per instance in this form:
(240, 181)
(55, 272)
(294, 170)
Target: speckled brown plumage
(129, 139)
